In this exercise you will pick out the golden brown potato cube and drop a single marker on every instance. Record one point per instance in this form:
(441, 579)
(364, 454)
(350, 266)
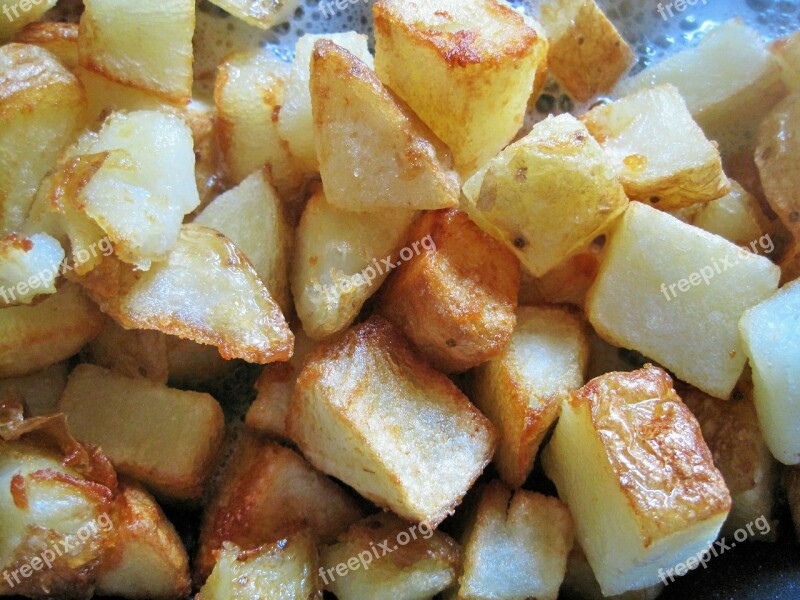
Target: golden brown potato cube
(467, 69)
(521, 390)
(17, 15)
(455, 298)
(259, 13)
(39, 392)
(661, 155)
(547, 196)
(368, 411)
(266, 493)
(284, 570)
(168, 439)
(516, 546)
(385, 558)
(60, 39)
(131, 352)
(587, 54)
(34, 337)
(656, 497)
(373, 152)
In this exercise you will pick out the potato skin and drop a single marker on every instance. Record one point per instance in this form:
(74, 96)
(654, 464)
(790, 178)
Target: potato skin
(455, 302)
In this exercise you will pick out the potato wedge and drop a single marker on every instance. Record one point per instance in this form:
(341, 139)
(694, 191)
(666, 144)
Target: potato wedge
(259, 13)
(644, 513)
(368, 411)
(662, 156)
(130, 352)
(547, 196)
(29, 267)
(168, 439)
(373, 152)
(39, 392)
(587, 54)
(17, 15)
(33, 338)
(467, 69)
(521, 390)
(59, 39)
(682, 312)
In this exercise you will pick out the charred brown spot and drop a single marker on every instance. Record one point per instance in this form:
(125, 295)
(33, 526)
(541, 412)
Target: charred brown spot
(520, 242)
(655, 200)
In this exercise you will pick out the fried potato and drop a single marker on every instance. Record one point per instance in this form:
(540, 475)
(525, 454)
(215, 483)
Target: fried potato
(581, 584)
(337, 262)
(547, 196)
(17, 15)
(267, 493)
(771, 337)
(259, 13)
(167, 439)
(787, 52)
(40, 392)
(632, 438)
(373, 152)
(295, 121)
(42, 108)
(33, 338)
(205, 291)
(130, 352)
(368, 411)
(516, 546)
(467, 69)
(252, 216)
(425, 565)
(737, 217)
(683, 311)
(284, 570)
(110, 43)
(147, 560)
(521, 390)
(662, 156)
(106, 96)
(587, 54)
(60, 39)
(567, 283)
(29, 267)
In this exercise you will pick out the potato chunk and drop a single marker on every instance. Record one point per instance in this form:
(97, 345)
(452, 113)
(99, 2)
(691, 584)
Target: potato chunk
(59, 39)
(466, 68)
(17, 15)
(341, 258)
(268, 492)
(42, 107)
(29, 267)
(521, 390)
(110, 44)
(581, 584)
(660, 153)
(516, 546)
(547, 196)
(771, 337)
(587, 53)
(682, 311)
(168, 439)
(259, 13)
(737, 217)
(373, 152)
(420, 563)
(455, 298)
(656, 496)
(368, 411)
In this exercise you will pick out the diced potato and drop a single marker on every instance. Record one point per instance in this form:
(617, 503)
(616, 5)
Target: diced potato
(587, 53)
(17, 15)
(251, 216)
(267, 493)
(373, 152)
(567, 283)
(60, 39)
(424, 565)
(40, 392)
(729, 82)
(521, 390)
(683, 310)
(656, 497)
(259, 13)
(771, 337)
(147, 560)
(787, 52)
(547, 196)
(42, 108)
(248, 94)
(516, 546)
(205, 291)
(295, 121)
(284, 570)
(662, 156)
(112, 43)
(29, 267)
(168, 439)
(368, 411)
(191, 364)
(130, 352)
(340, 260)
(736, 217)
(776, 156)
(106, 96)
(581, 584)
(466, 68)
(33, 338)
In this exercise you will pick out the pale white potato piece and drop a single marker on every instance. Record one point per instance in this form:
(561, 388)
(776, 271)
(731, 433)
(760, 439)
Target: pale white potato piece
(581, 584)
(771, 338)
(630, 438)
(676, 293)
(737, 217)
(40, 392)
(105, 96)
(59, 39)
(29, 267)
(17, 15)
(547, 196)
(131, 352)
(662, 156)
(258, 12)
